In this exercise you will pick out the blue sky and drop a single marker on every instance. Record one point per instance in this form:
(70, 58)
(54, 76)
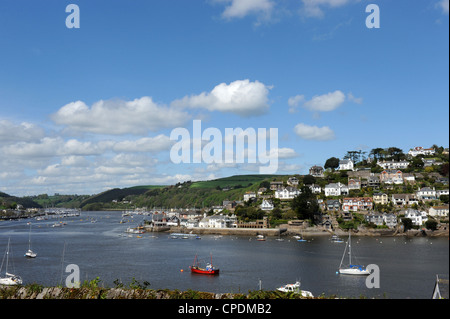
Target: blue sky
(84, 110)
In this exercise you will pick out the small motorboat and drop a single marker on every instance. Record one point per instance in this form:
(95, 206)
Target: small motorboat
(336, 239)
(295, 288)
(260, 238)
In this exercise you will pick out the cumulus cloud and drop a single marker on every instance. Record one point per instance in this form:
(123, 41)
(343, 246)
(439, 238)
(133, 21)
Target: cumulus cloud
(116, 117)
(242, 8)
(322, 103)
(314, 133)
(325, 103)
(243, 98)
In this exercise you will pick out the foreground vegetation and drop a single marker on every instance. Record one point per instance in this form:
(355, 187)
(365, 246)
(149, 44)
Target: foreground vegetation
(92, 290)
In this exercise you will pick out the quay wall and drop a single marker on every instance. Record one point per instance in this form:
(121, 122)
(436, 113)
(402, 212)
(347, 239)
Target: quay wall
(226, 231)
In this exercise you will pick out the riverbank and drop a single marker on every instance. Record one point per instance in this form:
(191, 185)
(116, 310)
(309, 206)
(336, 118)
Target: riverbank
(287, 230)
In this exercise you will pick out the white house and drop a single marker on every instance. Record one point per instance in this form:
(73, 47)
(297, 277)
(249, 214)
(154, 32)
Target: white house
(315, 189)
(346, 165)
(426, 193)
(419, 150)
(390, 220)
(249, 195)
(438, 211)
(417, 217)
(287, 193)
(393, 164)
(336, 189)
(266, 205)
(215, 221)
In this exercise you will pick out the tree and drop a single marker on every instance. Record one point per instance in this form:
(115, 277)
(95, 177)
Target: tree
(309, 179)
(407, 224)
(431, 224)
(376, 153)
(305, 204)
(396, 153)
(332, 163)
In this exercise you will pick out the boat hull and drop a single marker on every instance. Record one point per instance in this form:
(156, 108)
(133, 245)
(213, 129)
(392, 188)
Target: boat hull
(354, 271)
(202, 271)
(10, 281)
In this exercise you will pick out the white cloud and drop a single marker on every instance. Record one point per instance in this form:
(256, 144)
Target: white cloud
(243, 98)
(314, 8)
(242, 8)
(286, 152)
(116, 117)
(322, 103)
(325, 103)
(314, 133)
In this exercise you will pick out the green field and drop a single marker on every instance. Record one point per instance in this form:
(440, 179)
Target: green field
(238, 180)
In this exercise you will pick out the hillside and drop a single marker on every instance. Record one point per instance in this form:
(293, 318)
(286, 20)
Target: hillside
(116, 194)
(10, 202)
(187, 194)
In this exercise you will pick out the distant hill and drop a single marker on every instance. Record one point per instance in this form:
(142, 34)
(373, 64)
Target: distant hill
(8, 201)
(117, 194)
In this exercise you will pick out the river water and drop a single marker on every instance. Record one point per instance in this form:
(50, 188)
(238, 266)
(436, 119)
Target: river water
(408, 267)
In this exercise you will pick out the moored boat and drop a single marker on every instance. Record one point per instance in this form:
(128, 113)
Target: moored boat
(208, 270)
(351, 269)
(9, 279)
(295, 288)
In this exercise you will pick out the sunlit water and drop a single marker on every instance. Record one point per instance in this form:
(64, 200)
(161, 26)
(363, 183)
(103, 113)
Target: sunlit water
(408, 267)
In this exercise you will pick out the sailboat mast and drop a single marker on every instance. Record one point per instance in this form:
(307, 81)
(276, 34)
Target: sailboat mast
(29, 239)
(7, 257)
(350, 247)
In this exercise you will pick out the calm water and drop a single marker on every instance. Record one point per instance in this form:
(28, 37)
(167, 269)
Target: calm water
(408, 266)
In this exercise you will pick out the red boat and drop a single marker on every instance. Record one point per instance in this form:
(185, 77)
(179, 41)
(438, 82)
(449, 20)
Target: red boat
(209, 270)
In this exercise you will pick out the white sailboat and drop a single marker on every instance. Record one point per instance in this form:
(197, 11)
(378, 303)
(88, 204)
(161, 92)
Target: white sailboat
(9, 279)
(30, 253)
(351, 269)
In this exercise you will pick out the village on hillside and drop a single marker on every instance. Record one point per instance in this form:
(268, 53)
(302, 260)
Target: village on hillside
(384, 191)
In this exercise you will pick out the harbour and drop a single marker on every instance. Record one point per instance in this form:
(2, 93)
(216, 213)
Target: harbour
(103, 249)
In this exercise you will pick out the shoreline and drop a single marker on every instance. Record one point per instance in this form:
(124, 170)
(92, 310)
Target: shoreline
(307, 232)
